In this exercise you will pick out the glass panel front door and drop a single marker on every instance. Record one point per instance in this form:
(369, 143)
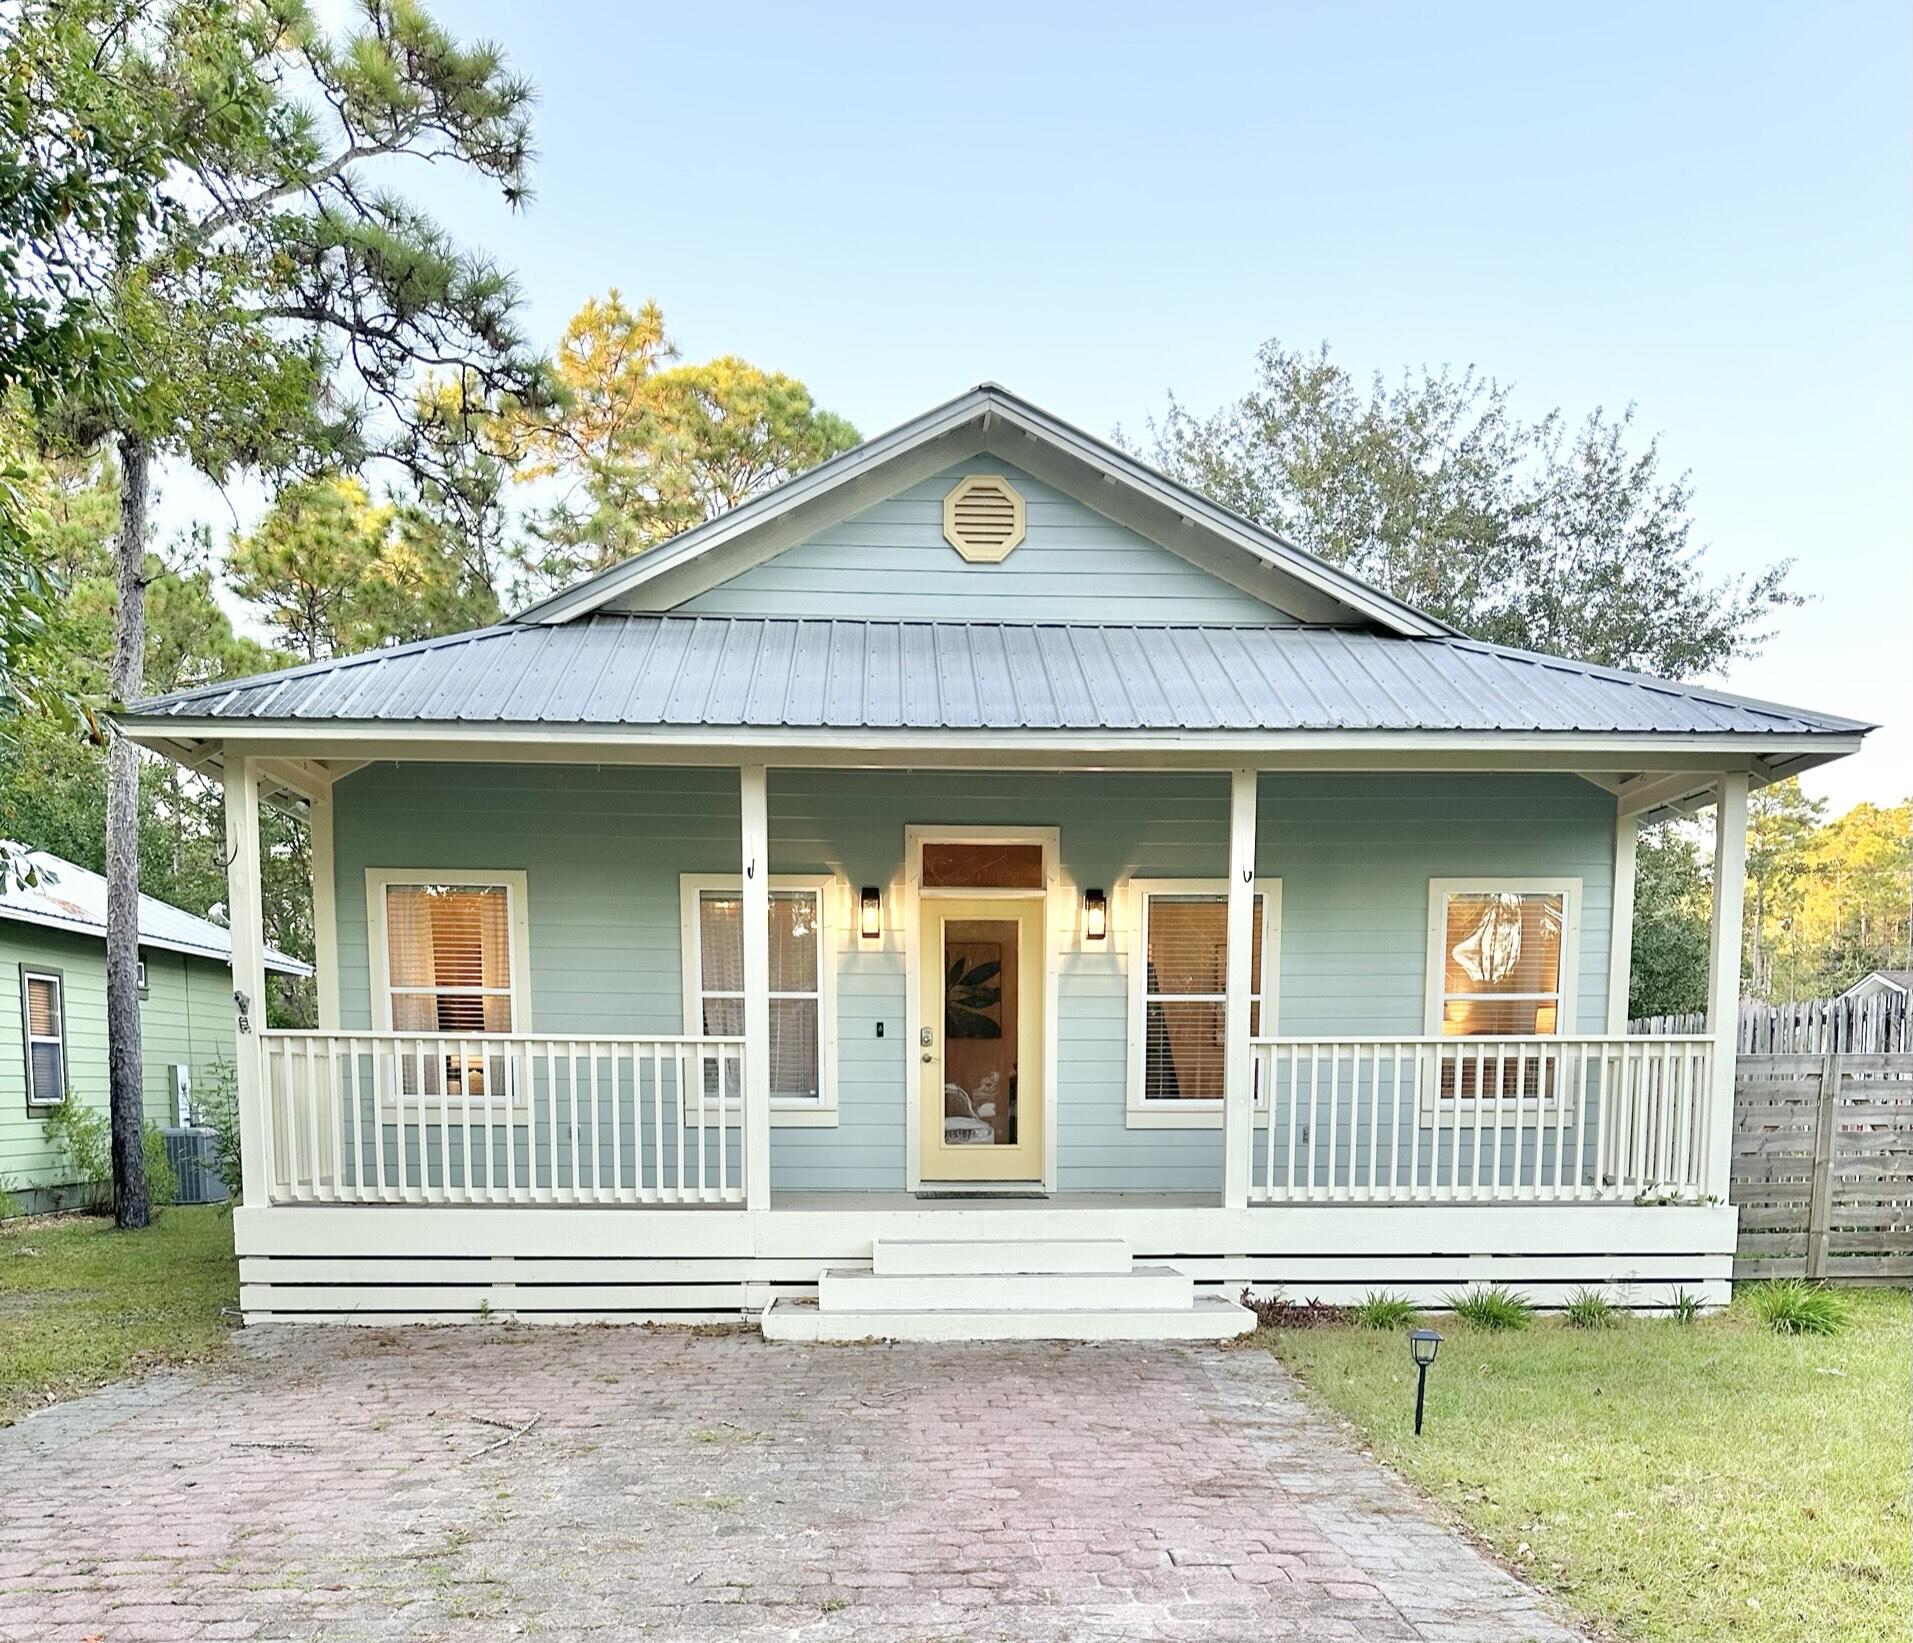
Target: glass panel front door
(979, 1032)
(981, 1051)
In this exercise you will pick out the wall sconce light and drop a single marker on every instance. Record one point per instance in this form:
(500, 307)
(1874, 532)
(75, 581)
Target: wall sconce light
(1095, 915)
(870, 913)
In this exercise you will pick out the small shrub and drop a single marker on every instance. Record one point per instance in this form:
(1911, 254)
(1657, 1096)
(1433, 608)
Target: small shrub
(1792, 1306)
(82, 1133)
(1491, 1306)
(1277, 1311)
(1683, 1307)
(86, 1136)
(1382, 1309)
(1588, 1308)
(219, 1112)
(162, 1181)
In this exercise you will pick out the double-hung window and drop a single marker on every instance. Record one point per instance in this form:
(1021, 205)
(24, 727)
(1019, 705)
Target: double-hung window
(1501, 962)
(802, 957)
(1178, 994)
(449, 960)
(43, 1023)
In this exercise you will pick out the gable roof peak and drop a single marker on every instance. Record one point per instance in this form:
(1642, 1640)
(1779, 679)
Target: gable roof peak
(986, 417)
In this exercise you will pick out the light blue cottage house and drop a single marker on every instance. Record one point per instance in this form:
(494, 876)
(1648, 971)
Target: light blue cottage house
(977, 888)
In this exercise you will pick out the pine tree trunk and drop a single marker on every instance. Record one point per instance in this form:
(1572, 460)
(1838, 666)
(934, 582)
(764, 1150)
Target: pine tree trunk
(125, 1063)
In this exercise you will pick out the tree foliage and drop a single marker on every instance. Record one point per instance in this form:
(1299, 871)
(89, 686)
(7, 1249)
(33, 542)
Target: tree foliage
(1672, 902)
(1837, 901)
(1827, 900)
(1546, 535)
(336, 573)
(52, 780)
(637, 449)
(275, 303)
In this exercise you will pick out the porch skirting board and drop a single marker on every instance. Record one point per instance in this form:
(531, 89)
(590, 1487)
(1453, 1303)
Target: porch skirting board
(395, 1265)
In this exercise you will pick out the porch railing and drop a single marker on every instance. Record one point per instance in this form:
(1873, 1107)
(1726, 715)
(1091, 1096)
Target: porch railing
(1482, 1119)
(411, 1118)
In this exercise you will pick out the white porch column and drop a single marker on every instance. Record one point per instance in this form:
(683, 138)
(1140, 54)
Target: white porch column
(1620, 952)
(1238, 1072)
(325, 910)
(755, 911)
(245, 919)
(1723, 974)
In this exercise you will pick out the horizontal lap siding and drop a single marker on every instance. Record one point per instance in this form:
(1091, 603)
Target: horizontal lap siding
(892, 561)
(186, 1019)
(603, 850)
(1355, 854)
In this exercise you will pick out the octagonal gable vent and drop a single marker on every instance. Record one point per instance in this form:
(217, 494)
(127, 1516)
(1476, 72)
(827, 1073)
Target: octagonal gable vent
(983, 518)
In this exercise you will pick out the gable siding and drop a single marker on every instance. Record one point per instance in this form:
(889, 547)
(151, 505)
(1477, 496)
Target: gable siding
(891, 560)
(603, 850)
(185, 1018)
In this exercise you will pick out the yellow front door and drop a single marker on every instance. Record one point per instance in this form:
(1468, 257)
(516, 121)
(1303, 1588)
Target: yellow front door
(981, 1055)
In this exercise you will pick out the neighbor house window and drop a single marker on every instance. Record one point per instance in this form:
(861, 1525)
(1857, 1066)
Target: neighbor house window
(43, 1012)
(800, 979)
(449, 960)
(1179, 976)
(1502, 957)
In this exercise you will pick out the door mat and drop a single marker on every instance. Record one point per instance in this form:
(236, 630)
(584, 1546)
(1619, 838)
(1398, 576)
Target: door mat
(1029, 1197)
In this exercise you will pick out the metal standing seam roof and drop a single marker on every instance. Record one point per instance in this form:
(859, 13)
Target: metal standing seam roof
(762, 673)
(73, 898)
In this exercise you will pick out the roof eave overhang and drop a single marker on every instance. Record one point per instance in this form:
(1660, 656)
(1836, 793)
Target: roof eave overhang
(200, 743)
(80, 927)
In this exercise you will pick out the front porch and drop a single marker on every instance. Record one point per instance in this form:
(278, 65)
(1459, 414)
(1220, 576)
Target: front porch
(1232, 1133)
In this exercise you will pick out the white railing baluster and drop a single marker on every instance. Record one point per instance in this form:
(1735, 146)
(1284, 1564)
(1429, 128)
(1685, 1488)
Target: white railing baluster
(1631, 1110)
(1295, 1101)
(1414, 1116)
(617, 1123)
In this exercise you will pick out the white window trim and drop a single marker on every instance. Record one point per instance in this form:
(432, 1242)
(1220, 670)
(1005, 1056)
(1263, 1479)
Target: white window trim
(29, 1038)
(1141, 1113)
(517, 924)
(1568, 1013)
(833, 921)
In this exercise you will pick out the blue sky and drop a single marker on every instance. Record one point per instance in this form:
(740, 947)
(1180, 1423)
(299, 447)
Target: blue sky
(1699, 209)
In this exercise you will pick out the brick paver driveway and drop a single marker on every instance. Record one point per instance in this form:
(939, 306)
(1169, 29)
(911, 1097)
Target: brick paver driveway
(613, 1483)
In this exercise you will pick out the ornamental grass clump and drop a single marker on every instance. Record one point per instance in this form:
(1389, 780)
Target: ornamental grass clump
(1491, 1306)
(1588, 1308)
(1683, 1307)
(1792, 1306)
(1383, 1309)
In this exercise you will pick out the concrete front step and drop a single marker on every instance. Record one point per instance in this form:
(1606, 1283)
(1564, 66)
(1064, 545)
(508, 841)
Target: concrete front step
(1140, 1289)
(900, 1257)
(1210, 1319)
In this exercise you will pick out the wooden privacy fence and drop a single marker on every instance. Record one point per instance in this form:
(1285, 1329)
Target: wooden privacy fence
(1823, 1166)
(1880, 1025)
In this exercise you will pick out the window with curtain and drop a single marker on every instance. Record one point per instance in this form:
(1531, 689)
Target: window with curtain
(43, 1012)
(796, 971)
(1501, 962)
(1185, 944)
(448, 958)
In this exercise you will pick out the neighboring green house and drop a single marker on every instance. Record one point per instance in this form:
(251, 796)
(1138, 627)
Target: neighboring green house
(53, 1030)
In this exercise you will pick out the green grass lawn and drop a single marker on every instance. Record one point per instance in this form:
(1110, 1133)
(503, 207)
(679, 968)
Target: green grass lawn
(1710, 1480)
(82, 1304)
